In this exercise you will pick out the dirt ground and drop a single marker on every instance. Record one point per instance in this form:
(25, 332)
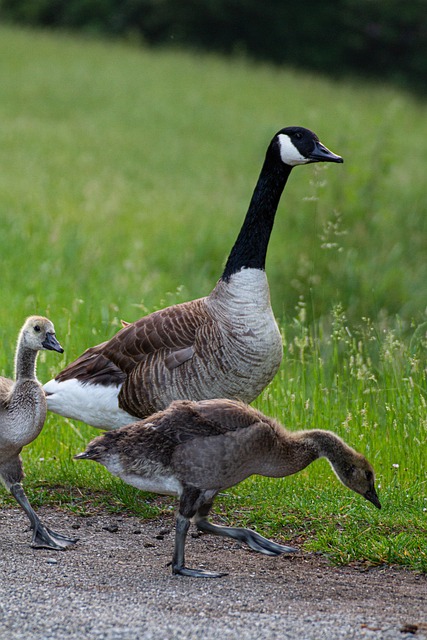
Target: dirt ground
(114, 584)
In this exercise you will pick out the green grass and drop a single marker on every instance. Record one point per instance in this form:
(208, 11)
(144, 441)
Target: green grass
(125, 175)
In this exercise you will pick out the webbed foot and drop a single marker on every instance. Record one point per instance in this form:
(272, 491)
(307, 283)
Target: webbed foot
(196, 573)
(253, 539)
(44, 538)
(258, 543)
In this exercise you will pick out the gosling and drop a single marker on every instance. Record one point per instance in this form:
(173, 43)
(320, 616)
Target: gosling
(195, 449)
(22, 415)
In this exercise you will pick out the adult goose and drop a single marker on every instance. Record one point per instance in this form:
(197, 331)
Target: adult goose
(224, 345)
(196, 449)
(22, 415)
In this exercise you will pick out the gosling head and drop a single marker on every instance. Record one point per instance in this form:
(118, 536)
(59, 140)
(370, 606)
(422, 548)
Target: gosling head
(38, 333)
(298, 145)
(357, 474)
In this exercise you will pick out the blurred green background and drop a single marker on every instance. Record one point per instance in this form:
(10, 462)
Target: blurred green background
(380, 38)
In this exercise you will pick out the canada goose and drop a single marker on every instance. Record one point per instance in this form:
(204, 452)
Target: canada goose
(22, 415)
(196, 449)
(224, 345)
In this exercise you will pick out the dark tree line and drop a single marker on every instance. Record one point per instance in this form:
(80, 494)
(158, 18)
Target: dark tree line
(384, 39)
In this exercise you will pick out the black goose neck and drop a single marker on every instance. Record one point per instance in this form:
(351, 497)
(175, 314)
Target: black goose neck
(250, 248)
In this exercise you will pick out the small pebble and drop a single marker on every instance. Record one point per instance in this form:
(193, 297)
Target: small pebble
(409, 628)
(52, 561)
(112, 528)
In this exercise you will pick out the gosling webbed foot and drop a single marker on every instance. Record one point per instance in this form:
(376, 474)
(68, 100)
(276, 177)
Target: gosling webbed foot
(263, 545)
(44, 538)
(253, 539)
(196, 573)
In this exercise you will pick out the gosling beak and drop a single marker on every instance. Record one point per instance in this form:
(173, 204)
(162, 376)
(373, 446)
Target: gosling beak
(51, 343)
(371, 495)
(321, 153)
(81, 456)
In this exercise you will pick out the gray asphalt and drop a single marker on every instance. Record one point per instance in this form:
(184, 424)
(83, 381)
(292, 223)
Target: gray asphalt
(115, 585)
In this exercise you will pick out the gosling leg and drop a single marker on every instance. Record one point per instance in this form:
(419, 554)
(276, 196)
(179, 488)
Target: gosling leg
(254, 540)
(42, 536)
(188, 505)
(178, 561)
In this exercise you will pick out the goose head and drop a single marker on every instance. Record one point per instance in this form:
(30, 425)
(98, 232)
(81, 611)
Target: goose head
(357, 474)
(297, 145)
(38, 334)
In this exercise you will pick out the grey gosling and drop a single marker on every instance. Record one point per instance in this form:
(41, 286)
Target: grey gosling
(225, 345)
(22, 415)
(196, 449)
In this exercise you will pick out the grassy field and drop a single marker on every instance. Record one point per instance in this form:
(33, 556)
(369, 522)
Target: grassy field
(125, 176)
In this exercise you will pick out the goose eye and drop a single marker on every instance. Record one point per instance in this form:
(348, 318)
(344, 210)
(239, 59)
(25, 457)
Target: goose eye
(298, 135)
(37, 328)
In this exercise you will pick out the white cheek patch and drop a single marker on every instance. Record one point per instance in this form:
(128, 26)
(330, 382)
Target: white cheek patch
(289, 153)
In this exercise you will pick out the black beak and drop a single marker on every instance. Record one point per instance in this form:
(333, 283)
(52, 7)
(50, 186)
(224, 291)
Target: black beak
(321, 153)
(371, 495)
(51, 343)
(80, 456)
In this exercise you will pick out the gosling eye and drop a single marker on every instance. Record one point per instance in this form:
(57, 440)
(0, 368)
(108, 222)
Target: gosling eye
(369, 475)
(37, 328)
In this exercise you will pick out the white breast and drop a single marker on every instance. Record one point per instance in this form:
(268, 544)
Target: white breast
(244, 309)
(246, 299)
(251, 344)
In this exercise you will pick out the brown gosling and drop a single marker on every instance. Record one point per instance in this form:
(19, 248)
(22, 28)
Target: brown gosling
(22, 414)
(196, 449)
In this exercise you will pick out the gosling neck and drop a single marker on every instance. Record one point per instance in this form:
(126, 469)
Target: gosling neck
(250, 248)
(25, 363)
(327, 444)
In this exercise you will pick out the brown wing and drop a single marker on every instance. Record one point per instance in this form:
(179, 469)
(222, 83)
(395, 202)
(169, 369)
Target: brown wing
(231, 414)
(185, 420)
(171, 332)
(158, 436)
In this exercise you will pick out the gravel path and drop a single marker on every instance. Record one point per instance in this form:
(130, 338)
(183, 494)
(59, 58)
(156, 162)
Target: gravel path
(115, 585)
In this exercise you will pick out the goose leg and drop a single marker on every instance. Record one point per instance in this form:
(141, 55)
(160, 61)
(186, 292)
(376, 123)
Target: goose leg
(42, 536)
(254, 540)
(187, 511)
